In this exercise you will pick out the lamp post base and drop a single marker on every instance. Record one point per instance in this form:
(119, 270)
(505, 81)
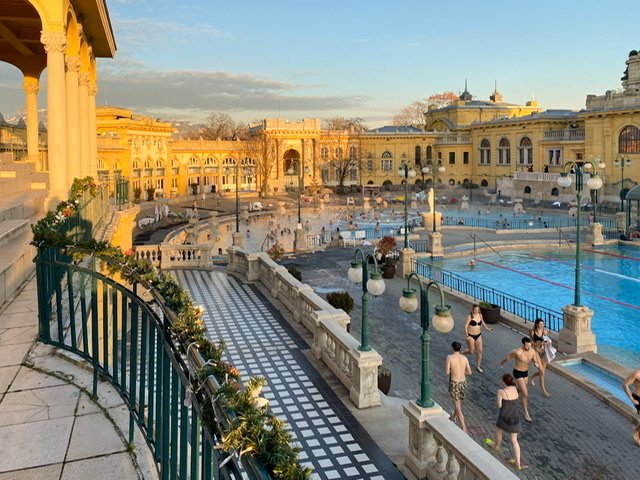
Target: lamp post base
(577, 336)
(238, 239)
(299, 240)
(435, 245)
(404, 265)
(595, 231)
(422, 450)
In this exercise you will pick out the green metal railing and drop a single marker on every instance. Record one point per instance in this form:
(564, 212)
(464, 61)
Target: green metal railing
(128, 342)
(91, 213)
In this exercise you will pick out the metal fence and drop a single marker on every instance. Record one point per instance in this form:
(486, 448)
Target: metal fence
(482, 293)
(512, 223)
(127, 341)
(90, 214)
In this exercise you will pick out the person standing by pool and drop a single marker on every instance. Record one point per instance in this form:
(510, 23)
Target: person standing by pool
(473, 334)
(634, 378)
(458, 368)
(523, 356)
(543, 345)
(508, 418)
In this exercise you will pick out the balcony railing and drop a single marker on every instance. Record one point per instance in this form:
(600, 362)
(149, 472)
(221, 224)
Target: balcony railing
(570, 135)
(452, 139)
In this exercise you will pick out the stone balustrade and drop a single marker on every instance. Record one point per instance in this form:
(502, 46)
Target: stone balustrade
(194, 256)
(150, 253)
(358, 371)
(438, 449)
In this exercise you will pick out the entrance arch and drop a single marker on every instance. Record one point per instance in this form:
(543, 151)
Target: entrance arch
(291, 159)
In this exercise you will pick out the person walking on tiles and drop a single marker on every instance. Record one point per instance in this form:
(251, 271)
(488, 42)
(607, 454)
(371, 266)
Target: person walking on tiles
(634, 379)
(458, 368)
(508, 418)
(473, 333)
(523, 356)
(542, 344)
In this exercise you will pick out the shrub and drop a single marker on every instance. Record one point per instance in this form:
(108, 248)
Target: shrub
(137, 193)
(295, 273)
(341, 300)
(276, 252)
(150, 193)
(385, 245)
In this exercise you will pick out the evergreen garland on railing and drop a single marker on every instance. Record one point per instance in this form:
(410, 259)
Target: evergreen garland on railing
(254, 430)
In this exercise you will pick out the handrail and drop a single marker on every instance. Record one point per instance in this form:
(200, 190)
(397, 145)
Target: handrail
(517, 306)
(129, 342)
(474, 237)
(562, 235)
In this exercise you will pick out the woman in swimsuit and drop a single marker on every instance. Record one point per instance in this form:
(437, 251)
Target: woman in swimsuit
(540, 335)
(473, 334)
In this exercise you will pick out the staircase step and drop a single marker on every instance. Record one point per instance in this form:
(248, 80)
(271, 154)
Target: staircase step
(10, 229)
(22, 205)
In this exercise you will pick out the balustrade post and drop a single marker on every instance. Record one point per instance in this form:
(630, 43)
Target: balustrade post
(364, 391)
(423, 449)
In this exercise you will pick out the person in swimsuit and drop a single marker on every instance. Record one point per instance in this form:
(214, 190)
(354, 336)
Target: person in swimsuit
(634, 378)
(540, 336)
(458, 368)
(523, 356)
(473, 334)
(508, 418)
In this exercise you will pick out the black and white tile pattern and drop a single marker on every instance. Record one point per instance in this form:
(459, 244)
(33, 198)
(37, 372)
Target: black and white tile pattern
(260, 344)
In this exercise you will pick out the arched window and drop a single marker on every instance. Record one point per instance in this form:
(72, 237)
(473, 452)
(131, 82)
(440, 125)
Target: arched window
(210, 162)
(504, 152)
(527, 189)
(387, 154)
(159, 163)
(194, 162)
(484, 183)
(418, 159)
(353, 152)
(387, 162)
(147, 163)
(525, 151)
(629, 140)
(554, 192)
(485, 152)
(324, 153)
(339, 153)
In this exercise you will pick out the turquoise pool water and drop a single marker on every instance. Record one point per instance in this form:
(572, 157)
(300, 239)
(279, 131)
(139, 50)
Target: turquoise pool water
(598, 376)
(610, 279)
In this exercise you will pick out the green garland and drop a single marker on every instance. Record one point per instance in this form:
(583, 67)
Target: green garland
(254, 430)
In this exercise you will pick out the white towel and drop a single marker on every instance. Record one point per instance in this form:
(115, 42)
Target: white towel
(549, 350)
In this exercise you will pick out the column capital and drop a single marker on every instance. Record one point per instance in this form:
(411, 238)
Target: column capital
(84, 79)
(54, 42)
(31, 86)
(73, 63)
(93, 90)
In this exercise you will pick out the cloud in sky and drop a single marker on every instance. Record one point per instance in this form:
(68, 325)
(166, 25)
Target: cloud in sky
(187, 93)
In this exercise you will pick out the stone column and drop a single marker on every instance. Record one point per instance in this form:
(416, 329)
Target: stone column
(364, 391)
(55, 44)
(83, 95)
(73, 119)
(595, 231)
(404, 265)
(422, 450)
(299, 240)
(93, 133)
(576, 336)
(31, 87)
(238, 239)
(435, 245)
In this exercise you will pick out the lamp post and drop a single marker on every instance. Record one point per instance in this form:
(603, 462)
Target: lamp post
(441, 321)
(622, 161)
(298, 171)
(372, 283)
(247, 171)
(593, 183)
(406, 172)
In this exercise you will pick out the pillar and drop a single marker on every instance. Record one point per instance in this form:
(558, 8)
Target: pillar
(404, 265)
(300, 240)
(238, 239)
(577, 336)
(73, 119)
(93, 134)
(31, 87)
(421, 453)
(435, 245)
(55, 44)
(83, 95)
(595, 229)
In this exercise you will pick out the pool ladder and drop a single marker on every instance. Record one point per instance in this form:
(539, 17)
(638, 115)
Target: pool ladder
(476, 237)
(562, 235)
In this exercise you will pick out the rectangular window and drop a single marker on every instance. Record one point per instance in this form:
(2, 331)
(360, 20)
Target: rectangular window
(370, 166)
(465, 158)
(386, 165)
(452, 158)
(554, 157)
(324, 173)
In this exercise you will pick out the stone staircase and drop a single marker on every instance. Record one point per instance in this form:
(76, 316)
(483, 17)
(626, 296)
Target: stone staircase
(22, 194)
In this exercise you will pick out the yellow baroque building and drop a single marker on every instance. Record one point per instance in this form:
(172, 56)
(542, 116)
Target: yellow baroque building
(491, 143)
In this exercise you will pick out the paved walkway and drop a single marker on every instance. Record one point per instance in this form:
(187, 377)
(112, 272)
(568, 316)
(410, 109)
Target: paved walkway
(260, 343)
(50, 428)
(573, 435)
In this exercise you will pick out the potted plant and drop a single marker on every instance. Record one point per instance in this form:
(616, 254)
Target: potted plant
(341, 300)
(384, 246)
(390, 261)
(384, 379)
(490, 312)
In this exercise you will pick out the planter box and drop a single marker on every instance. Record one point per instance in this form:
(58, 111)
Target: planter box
(384, 383)
(491, 314)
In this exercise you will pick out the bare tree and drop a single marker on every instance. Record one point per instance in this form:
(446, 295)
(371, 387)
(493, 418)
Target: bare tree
(220, 126)
(340, 147)
(413, 114)
(443, 99)
(262, 149)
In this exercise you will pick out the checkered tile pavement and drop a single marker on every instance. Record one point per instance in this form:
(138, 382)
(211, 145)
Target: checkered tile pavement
(260, 343)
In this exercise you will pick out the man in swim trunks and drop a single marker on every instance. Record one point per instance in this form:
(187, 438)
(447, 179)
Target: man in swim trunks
(523, 356)
(458, 368)
(634, 396)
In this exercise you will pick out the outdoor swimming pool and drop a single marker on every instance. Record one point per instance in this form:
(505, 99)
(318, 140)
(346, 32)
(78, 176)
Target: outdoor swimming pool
(610, 282)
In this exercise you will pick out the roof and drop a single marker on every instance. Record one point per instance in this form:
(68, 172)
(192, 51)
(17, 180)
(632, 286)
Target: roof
(396, 129)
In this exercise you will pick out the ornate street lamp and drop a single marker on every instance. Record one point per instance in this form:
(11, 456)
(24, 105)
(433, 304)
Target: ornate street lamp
(441, 321)
(298, 172)
(373, 285)
(622, 161)
(247, 171)
(593, 183)
(406, 172)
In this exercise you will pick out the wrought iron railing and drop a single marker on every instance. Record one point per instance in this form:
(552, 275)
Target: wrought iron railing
(512, 223)
(127, 339)
(90, 214)
(483, 293)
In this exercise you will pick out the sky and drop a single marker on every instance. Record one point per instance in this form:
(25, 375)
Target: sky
(255, 59)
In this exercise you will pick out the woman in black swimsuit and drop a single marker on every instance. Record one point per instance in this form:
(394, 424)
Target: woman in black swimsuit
(540, 335)
(473, 334)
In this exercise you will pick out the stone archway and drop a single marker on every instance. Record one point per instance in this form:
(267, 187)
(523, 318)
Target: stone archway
(291, 159)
